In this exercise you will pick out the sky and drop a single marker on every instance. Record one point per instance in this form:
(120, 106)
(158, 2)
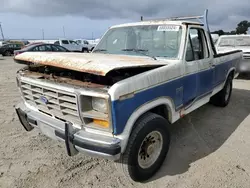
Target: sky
(33, 19)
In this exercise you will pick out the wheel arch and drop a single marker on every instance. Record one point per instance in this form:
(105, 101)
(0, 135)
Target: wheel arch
(231, 71)
(163, 106)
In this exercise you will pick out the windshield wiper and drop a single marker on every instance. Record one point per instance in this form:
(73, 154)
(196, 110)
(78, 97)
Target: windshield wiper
(140, 51)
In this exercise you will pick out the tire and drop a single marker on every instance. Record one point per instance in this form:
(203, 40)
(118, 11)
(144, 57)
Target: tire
(7, 53)
(222, 98)
(134, 164)
(85, 50)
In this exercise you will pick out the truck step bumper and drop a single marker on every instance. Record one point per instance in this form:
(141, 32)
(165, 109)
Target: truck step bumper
(76, 140)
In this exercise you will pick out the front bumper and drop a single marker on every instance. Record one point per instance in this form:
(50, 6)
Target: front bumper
(76, 140)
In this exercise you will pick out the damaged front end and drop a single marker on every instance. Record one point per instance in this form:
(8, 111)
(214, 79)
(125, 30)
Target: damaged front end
(82, 79)
(67, 109)
(69, 100)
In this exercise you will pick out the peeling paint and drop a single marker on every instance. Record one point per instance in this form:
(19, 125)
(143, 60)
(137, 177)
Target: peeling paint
(94, 63)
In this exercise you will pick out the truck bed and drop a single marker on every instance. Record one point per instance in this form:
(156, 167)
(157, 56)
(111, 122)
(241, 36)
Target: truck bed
(227, 53)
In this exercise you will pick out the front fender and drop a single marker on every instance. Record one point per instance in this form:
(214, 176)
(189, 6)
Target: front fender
(173, 116)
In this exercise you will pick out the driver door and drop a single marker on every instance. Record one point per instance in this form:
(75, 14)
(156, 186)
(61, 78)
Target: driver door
(190, 78)
(199, 69)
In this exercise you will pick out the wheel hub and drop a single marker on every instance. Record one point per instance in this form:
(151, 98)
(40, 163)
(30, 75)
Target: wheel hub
(150, 149)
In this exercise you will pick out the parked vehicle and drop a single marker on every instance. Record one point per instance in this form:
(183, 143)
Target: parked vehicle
(228, 43)
(8, 49)
(41, 47)
(119, 101)
(70, 45)
(85, 44)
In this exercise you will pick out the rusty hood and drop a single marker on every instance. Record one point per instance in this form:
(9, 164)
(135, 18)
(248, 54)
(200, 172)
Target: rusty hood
(94, 63)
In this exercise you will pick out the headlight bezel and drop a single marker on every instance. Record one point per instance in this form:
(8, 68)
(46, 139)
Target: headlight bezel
(88, 113)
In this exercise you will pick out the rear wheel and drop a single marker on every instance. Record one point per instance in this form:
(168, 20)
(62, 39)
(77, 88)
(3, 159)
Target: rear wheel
(85, 50)
(7, 53)
(147, 148)
(223, 97)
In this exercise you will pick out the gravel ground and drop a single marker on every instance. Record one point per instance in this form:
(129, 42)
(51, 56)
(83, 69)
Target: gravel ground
(210, 148)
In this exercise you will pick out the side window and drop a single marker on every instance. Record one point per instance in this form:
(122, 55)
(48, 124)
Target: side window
(48, 48)
(86, 42)
(190, 52)
(197, 47)
(73, 42)
(65, 42)
(54, 48)
(39, 48)
(57, 42)
(35, 49)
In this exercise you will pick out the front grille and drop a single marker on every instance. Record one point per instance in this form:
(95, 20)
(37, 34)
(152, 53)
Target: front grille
(60, 104)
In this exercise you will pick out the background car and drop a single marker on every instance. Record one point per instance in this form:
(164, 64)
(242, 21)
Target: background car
(227, 43)
(41, 47)
(8, 49)
(86, 45)
(70, 45)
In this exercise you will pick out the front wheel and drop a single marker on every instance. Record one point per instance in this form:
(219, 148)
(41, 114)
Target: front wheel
(147, 148)
(85, 50)
(223, 97)
(7, 53)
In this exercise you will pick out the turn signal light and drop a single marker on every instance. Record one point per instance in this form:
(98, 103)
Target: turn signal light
(102, 123)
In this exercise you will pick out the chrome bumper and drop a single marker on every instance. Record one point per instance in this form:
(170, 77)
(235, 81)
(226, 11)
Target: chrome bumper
(76, 140)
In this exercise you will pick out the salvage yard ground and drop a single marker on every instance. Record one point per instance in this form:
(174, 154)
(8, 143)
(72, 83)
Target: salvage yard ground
(210, 148)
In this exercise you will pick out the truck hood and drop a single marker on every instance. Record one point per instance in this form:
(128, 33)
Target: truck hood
(94, 63)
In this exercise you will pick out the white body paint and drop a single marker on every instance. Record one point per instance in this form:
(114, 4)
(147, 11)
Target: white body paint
(170, 71)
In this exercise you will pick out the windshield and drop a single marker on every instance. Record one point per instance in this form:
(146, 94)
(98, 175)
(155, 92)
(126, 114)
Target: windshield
(150, 40)
(235, 41)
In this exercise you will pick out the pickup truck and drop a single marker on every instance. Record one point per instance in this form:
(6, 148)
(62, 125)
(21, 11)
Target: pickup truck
(119, 101)
(70, 45)
(85, 44)
(227, 43)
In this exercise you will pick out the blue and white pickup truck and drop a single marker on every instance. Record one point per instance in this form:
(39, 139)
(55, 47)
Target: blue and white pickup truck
(118, 101)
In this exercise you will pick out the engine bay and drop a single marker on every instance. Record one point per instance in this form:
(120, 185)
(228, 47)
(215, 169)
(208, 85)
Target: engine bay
(80, 78)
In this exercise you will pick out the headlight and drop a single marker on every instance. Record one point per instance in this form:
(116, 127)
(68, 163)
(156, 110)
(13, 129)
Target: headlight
(100, 105)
